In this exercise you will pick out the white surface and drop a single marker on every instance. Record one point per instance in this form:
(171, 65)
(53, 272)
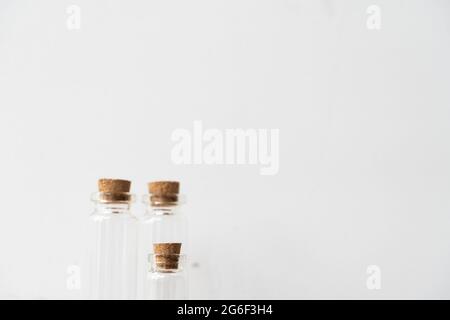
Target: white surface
(364, 139)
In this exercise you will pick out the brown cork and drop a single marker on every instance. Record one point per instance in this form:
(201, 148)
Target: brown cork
(114, 190)
(164, 192)
(167, 256)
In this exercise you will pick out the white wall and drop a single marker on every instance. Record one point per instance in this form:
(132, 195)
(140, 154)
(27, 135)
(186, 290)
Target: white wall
(364, 127)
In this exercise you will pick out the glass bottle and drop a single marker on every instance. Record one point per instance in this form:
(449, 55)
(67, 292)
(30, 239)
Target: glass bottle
(167, 277)
(113, 243)
(163, 243)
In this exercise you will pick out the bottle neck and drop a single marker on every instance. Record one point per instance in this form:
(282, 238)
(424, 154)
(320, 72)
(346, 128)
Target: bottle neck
(162, 210)
(112, 208)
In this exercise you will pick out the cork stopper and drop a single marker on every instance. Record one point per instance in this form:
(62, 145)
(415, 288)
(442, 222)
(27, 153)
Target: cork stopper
(167, 256)
(164, 193)
(114, 190)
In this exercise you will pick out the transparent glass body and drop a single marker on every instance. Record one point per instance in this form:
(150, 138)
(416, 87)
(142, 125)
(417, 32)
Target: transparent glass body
(162, 224)
(163, 284)
(112, 251)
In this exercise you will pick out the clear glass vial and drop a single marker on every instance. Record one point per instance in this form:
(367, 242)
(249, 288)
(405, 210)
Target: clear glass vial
(167, 277)
(112, 243)
(163, 226)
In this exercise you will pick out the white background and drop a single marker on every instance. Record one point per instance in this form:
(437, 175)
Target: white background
(364, 139)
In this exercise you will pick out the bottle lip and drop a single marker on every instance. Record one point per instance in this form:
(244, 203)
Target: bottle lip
(169, 200)
(113, 197)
